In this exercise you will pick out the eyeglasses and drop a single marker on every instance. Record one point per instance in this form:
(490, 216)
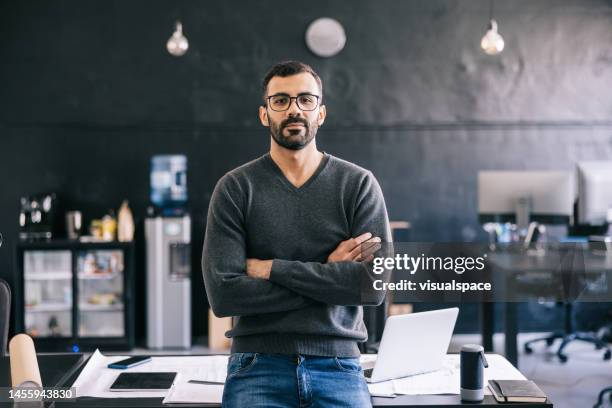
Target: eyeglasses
(282, 102)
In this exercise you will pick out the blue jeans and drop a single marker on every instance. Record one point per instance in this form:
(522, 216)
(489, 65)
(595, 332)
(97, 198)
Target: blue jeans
(282, 380)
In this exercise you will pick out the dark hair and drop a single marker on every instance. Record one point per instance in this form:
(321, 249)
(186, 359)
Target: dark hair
(288, 68)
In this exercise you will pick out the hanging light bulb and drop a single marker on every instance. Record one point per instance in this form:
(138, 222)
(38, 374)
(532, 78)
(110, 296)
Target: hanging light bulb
(492, 43)
(177, 45)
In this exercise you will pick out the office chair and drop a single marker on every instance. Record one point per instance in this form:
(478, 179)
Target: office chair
(571, 271)
(5, 313)
(568, 335)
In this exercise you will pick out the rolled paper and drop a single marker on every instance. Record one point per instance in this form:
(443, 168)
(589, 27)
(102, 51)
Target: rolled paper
(24, 364)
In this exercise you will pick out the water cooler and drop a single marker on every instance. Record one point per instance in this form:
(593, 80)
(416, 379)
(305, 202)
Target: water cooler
(168, 247)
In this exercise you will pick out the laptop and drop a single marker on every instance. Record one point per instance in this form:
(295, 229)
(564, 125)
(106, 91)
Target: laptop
(412, 344)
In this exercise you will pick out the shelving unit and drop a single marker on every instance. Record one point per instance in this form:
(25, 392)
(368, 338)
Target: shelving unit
(49, 307)
(49, 276)
(76, 296)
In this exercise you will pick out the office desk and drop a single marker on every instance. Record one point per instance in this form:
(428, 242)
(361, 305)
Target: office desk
(404, 401)
(54, 367)
(515, 264)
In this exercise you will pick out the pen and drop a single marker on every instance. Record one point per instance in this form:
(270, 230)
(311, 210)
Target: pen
(205, 382)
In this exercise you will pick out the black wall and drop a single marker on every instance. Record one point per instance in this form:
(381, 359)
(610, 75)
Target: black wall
(88, 93)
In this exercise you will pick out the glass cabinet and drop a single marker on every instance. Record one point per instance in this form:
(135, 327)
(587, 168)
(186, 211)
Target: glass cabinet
(76, 296)
(48, 293)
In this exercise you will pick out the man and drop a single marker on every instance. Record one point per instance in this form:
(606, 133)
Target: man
(288, 245)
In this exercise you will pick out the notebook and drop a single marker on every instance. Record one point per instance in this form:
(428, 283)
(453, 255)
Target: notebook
(143, 381)
(516, 391)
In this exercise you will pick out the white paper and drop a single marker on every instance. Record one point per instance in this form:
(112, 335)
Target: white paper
(443, 381)
(447, 379)
(186, 393)
(382, 389)
(96, 378)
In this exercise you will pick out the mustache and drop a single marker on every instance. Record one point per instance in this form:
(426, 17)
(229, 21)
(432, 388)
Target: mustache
(289, 121)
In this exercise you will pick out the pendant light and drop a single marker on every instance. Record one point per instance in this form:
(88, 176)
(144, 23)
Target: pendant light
(492, 43)
(177, 45)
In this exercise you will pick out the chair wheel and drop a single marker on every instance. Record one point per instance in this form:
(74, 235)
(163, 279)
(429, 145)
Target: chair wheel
(607, 355)
(563, 358)
(598, 346)
(549, 342)
(528, 350)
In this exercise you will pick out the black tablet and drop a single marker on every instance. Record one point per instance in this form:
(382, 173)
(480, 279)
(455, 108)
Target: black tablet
(143, 382)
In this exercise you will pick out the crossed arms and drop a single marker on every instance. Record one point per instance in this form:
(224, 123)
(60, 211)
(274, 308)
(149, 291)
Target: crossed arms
(237, 286)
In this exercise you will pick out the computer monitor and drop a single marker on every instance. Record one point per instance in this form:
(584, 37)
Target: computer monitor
(594, 192)
(547, 196)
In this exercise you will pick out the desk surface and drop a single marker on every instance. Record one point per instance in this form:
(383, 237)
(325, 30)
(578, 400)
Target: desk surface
(53, 368)
(403, 401)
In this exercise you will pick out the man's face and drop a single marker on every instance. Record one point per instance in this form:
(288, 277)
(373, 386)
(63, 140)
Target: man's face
(293, 128)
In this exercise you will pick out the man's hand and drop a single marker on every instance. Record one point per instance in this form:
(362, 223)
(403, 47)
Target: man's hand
(256, 268)
(358, 249)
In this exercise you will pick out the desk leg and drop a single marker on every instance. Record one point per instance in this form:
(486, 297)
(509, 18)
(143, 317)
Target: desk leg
(511, 332)
(487, 321)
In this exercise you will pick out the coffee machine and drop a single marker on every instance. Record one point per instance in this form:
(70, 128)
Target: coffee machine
(37, 216)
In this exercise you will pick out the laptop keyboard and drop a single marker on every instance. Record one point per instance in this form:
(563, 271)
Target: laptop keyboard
(368, 372)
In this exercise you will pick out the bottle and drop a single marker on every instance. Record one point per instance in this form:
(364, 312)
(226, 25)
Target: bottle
(126, 223)
(472, 364)
(109, 227)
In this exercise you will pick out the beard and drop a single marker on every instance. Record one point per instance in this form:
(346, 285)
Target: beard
(293, 138)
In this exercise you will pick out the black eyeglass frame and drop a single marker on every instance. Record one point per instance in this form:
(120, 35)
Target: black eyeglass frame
(291, 98)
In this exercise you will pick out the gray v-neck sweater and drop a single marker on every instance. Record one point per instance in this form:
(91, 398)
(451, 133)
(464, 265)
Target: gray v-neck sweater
(308, 306)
